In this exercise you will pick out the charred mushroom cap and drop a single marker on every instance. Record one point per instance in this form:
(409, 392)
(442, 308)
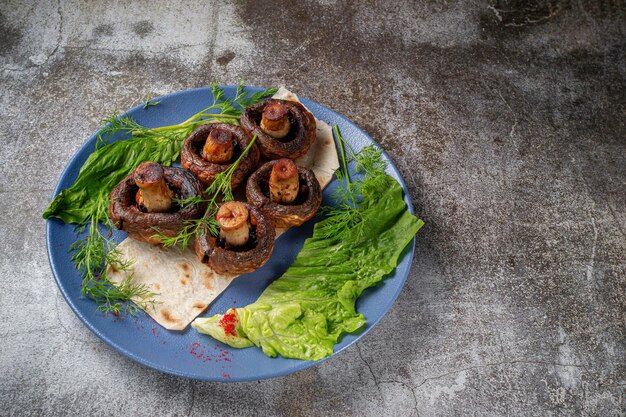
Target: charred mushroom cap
(302, 209)
(192, 150)
(240, 260)
(295, 144)
(141, 225)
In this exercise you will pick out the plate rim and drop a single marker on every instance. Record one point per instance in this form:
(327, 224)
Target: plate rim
(156, 366)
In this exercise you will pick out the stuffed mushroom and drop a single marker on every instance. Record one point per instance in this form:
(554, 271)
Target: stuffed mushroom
(143, 204)
(284, 129)
(245, 241)
(287, 193)
(213, 148)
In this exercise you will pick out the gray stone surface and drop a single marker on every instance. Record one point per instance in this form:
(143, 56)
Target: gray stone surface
(506, 118)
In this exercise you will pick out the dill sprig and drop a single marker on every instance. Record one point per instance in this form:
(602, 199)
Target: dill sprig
(149, 102)
(220, 110)
(347, 212)
(220, 190)
(92, 255)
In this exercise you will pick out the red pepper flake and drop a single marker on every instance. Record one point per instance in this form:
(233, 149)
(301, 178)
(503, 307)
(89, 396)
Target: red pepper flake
(198, 351)
(225, 375)
(228, 323)
(208, 353)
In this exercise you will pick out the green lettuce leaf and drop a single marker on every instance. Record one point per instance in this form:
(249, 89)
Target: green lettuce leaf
(105, 167)
(303, 313)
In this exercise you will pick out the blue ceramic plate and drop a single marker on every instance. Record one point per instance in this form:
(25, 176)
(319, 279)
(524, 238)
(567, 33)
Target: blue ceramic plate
(188, 353)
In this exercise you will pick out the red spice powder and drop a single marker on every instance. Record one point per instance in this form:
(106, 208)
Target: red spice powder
(197, 350)
(228, 323)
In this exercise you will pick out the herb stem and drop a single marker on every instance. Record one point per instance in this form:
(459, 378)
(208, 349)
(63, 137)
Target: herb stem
(198, 115)
(344, 163)
(222, 185)
(220, 115)
(195, 119)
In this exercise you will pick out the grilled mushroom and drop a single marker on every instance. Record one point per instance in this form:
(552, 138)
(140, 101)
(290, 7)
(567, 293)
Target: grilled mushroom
(245, 244)
(142, 203)
(284, 129)
(212, 148)
(271, 189)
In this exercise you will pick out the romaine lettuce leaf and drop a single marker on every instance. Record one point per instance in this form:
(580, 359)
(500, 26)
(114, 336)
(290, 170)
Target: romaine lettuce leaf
(303, 313)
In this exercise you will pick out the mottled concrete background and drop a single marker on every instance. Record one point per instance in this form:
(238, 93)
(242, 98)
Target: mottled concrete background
(506, 118)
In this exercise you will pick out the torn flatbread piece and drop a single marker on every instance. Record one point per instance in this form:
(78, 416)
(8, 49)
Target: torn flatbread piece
(183, 285)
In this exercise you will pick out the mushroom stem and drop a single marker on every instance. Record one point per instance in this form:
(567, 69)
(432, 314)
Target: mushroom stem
(153, 194)
(275, 120)
(218, 147)
(284, 182)
(232, 218)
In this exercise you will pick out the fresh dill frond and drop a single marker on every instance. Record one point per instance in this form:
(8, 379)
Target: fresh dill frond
(347, 212)
(189, 201)
(369, 161)
(243, 100)
(149, 102)
(91, 257)
(190, 230)
(115, 124)
(221, 110)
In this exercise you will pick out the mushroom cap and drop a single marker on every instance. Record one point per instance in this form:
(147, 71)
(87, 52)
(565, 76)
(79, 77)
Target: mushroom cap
(191, 154)
(285, 215)
(141, 225)
(298, 140)
(246, 259)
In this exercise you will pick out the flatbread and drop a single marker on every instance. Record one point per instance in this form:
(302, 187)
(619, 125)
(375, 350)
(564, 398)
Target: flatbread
(184, 286)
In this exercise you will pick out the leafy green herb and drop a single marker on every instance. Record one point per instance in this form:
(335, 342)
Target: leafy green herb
(221, 187)
(91, 256)
(347, 213)
(303, 313)
(149, 102)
